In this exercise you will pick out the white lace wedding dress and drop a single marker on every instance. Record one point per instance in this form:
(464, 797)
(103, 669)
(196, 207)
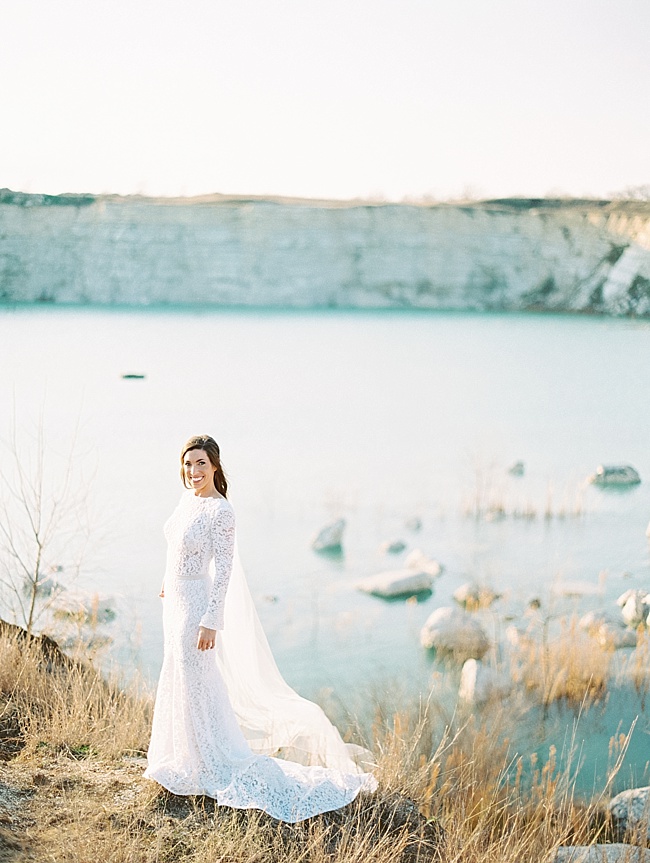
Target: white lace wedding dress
(197, 743)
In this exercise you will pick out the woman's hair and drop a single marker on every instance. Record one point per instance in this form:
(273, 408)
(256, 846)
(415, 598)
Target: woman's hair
(211, 448)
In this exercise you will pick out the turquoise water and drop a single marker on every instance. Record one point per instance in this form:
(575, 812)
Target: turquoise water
(373, 416)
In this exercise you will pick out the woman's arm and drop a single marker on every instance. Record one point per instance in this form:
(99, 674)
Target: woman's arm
(222, 530)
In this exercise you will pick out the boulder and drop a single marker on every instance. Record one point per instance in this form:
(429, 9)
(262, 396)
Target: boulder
(607, 630)
(634, 605)
(386, 820)
(615, 475)
(452, 632)
(330, 537)
(602, 854)
(630, 811)
(396, 582)
(480, 683)
(51, 651)
(419, 561)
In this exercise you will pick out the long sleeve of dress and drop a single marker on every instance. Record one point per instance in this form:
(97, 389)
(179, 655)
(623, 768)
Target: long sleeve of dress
(222, 533)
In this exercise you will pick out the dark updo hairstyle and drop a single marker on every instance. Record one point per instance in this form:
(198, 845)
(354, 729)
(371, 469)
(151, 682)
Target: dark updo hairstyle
(211, 449)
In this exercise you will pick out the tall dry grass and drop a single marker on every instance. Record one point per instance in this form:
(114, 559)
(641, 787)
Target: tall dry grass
(76, 734)
(66, 704)
(569, 665)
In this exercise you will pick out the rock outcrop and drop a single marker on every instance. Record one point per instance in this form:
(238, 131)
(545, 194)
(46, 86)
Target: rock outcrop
(455, 634)
(602, 854)
(510, 254)
(630, 811)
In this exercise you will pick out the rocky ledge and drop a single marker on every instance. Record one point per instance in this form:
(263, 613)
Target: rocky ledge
(514, 254)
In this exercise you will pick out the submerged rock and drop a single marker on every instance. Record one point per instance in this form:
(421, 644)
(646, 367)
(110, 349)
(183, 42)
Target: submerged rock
(452, 632)
(630, 811)
(396, 582)
(330, 537)
(516, 469)
(392, 546)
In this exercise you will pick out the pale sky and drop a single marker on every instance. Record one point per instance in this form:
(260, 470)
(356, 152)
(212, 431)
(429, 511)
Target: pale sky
(325, 98)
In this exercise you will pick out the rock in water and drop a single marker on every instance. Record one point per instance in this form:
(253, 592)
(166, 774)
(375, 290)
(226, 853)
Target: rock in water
(479, 683)
(392, 546)
(634, 605)
(616, 475)
(330, 537)
(630, 811)
(418, 560)
(454, 633)
(607, 631)
(602, 854)
(396, 582)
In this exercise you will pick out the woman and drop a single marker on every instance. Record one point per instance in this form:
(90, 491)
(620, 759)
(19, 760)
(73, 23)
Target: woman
(222, 708)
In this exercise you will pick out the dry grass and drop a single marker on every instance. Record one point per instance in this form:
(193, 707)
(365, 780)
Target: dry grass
(570, 666)
(72, 786)
(637, 667)
(493, 498)
(68, 705)
(577, 666)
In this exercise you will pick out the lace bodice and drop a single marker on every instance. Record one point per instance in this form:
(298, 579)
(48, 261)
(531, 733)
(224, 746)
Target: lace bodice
(199, 532)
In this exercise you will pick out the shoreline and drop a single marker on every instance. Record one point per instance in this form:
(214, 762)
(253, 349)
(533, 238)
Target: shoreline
(72, 788)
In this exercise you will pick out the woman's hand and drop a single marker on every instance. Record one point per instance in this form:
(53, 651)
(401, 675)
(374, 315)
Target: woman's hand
(207, 638)
(162, 591)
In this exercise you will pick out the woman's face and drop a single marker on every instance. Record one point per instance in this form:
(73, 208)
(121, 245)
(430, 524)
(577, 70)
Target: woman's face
(199, 472)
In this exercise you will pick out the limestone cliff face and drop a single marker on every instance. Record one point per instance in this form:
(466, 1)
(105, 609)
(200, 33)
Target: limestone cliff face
(564, 255)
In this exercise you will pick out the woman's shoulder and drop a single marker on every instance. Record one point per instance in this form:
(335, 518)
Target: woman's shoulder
(219, 505)
(221, 514)
(221, 502)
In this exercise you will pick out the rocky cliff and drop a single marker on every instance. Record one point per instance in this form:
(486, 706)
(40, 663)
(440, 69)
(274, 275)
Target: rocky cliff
(509, 254)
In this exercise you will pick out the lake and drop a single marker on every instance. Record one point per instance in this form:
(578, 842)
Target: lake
(377, 417)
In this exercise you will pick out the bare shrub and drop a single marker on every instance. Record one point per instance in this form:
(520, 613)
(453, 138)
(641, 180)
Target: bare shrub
(43, 525)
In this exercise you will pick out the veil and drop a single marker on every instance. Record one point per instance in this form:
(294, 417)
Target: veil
(274, 719)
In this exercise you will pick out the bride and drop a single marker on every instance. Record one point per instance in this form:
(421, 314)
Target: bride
(226, 724)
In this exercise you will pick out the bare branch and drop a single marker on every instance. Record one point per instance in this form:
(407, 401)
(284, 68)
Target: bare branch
(40, 523)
